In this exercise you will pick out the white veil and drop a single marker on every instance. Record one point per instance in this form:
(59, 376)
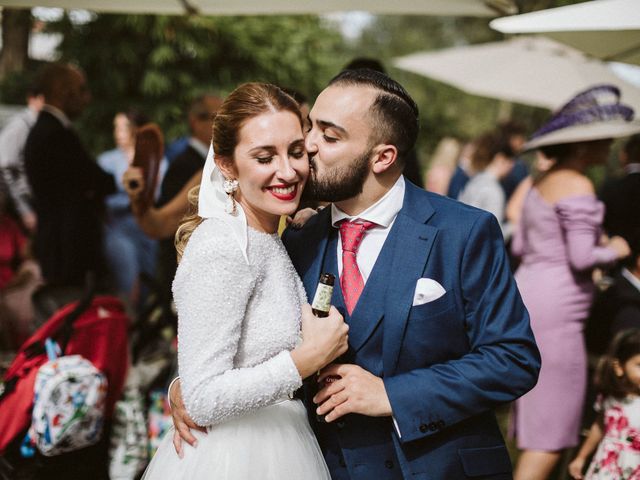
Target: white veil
(212, 200)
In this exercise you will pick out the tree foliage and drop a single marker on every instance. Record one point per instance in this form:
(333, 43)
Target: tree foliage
(160, 63)
(445, 110)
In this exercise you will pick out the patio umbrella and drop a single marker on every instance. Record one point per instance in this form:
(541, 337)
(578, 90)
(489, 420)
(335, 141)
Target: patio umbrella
(606, 29)
(476, 8)
(530, 70)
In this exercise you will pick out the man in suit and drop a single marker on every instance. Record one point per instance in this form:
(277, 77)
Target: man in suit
(161, 222)
(438, 333)
(68, 186)
(181, 170)
(618, 307)
(621, 196)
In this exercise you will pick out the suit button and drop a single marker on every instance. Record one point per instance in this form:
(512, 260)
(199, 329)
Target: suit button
(423, 428)
(432, 427)
(440, 424)
(342, 462)
(340, 424)
(388, 464)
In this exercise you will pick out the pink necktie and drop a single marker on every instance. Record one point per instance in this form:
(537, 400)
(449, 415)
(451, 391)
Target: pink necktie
(351, 282)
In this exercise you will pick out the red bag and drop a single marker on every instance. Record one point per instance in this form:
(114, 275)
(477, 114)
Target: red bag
(99, 335)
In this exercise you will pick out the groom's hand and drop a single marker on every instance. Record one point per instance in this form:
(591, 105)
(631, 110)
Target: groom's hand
(355, 391)
(182, 422)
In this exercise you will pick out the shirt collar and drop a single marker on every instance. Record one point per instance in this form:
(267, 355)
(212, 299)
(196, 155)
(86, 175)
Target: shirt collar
(199, 146)
(382, 213)
(59, 114)
(633, 280)
(632, 168)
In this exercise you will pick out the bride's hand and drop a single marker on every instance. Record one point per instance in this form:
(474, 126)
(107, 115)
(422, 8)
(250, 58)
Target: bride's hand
(323, 340)
(182, 422)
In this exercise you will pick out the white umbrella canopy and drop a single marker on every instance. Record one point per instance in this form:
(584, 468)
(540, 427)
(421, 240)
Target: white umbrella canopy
(530, 70)
(606, 29)
(476, 8)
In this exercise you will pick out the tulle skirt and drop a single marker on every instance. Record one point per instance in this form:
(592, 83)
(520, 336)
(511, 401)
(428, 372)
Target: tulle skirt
(273, 443)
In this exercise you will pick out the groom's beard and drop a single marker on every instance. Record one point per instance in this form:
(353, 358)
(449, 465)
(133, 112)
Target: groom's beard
(340, 182)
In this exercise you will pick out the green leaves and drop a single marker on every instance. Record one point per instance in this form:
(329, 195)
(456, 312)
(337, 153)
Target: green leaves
(159, 63)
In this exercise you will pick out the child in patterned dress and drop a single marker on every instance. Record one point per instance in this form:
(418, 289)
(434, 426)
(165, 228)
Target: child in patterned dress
(616, 431)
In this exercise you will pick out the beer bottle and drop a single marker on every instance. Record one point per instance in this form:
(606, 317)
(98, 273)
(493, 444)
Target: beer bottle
(322, 298)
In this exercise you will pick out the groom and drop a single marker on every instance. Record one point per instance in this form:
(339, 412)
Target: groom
(438, 333)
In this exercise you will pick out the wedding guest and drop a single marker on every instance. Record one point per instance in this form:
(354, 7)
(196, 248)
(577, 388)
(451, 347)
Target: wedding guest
(462, 172)
(13, 245)
(621, 196)
(68, 186)
(616, 430)
(19, 276)
(128, 249)
(12, 170)
(492, 159)
(558, 240)
(513, 212)
(618, 307)
(182, 175)
(515, 133)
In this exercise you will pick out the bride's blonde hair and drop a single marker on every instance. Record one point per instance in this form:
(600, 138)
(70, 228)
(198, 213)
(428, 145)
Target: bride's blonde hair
(245, 102)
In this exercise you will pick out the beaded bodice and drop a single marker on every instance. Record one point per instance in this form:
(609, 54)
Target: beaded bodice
(237, 323)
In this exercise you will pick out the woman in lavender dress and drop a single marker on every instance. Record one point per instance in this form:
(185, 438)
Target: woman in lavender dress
(560, 242)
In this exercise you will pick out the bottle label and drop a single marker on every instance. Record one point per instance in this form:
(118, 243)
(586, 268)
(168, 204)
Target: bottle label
(322, 298)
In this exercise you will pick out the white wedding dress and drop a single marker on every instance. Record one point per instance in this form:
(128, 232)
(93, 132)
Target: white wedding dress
(237, 323)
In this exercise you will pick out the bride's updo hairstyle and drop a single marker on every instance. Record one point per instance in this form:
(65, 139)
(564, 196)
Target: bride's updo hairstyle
(244, 103)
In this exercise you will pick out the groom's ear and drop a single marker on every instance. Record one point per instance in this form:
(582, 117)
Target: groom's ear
(226, 166)
(384, 157)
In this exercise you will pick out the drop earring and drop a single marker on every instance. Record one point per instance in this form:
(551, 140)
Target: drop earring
(230, 187)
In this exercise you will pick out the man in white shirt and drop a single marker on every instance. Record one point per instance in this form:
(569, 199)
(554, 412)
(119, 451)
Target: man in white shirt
(12, 141)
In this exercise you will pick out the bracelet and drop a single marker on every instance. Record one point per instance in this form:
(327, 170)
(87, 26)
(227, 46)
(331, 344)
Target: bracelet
(169, 390)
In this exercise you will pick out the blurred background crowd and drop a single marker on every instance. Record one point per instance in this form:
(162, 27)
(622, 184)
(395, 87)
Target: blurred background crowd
(69, 231)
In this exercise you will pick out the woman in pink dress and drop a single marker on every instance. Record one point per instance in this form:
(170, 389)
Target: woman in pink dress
(559, 240)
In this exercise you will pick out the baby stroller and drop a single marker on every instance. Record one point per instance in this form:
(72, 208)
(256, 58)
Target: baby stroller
(94, 327)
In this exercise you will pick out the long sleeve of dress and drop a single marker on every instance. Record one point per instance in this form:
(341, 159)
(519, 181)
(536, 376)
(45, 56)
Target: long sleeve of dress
(212, 290)
(581, 219)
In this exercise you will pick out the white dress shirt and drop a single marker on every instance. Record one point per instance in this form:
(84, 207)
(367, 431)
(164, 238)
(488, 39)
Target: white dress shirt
(59, 114)
(199, 147)
(383, 213)
(633, 280)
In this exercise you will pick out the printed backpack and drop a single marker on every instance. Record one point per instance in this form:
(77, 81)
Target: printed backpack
(69, 406)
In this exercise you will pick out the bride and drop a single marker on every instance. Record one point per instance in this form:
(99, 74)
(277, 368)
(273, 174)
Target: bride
(246, 337)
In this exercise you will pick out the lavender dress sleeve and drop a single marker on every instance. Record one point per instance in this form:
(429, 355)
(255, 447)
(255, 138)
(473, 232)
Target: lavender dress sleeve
(581, 220)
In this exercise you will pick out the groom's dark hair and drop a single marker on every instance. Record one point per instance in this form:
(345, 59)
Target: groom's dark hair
(394, 112)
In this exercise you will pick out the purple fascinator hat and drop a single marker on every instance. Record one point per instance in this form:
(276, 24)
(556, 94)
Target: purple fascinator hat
(595, 114)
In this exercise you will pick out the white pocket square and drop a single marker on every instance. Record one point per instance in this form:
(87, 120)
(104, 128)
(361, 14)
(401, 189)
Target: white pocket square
(427, 290)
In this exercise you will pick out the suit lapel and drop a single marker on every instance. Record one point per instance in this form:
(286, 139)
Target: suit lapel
(331, 266)
(413, 240)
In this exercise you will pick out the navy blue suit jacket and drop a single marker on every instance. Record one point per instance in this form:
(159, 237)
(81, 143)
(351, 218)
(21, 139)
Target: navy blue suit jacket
(445, 364)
